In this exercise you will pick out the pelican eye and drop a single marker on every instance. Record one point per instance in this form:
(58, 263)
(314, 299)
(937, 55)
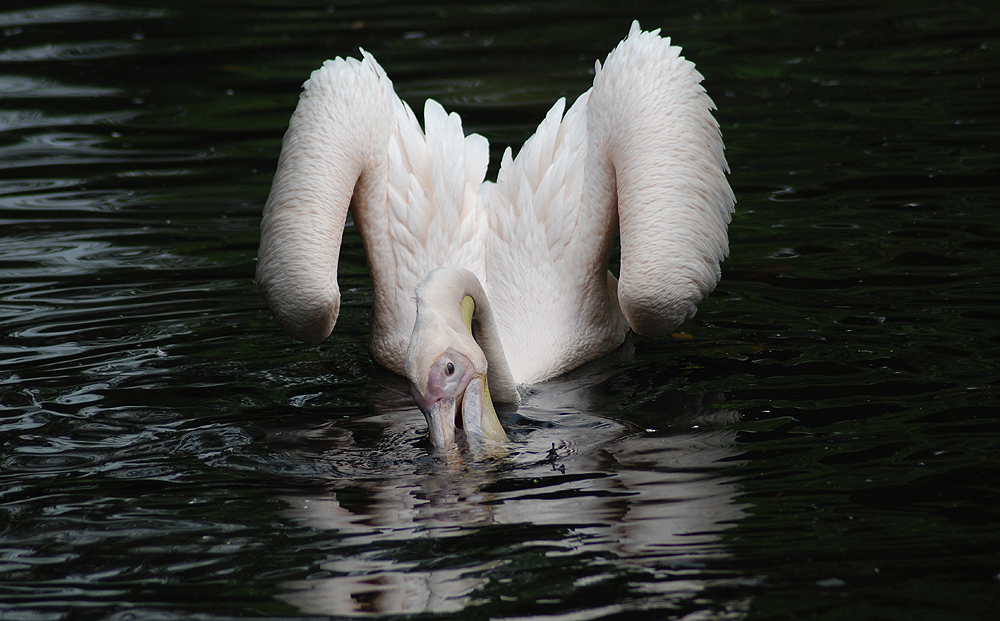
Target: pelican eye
(449, 368)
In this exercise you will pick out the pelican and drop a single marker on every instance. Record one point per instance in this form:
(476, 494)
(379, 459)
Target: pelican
(481, 287)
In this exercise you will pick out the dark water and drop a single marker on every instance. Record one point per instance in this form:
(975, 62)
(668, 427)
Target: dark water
(822, 445)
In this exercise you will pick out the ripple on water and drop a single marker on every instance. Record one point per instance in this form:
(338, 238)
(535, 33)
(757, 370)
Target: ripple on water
(27, 87)
(75, 13)
(42, 459)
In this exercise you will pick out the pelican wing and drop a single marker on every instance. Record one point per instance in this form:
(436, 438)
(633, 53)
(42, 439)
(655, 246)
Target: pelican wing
(547, 254)
(435, 216)
(639, 155)
(660, 151)
(352, 144)
(333, 153)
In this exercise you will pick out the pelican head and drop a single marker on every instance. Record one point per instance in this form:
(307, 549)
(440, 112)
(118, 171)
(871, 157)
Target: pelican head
(448, 369)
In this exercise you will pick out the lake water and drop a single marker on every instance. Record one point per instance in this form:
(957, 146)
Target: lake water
(821, 442)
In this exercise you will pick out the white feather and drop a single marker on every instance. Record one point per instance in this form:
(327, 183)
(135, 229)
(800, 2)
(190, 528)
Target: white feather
(639, 152)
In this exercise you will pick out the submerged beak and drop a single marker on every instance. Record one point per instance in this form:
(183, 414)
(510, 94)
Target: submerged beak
(457, 396)
(482, 427)
(441, 422)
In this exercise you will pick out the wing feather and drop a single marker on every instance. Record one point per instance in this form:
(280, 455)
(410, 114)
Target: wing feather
(332, 156)
(639, 153)
(651, 120)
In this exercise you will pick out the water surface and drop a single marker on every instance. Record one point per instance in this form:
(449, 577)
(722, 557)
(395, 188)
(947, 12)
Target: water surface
(820, 442)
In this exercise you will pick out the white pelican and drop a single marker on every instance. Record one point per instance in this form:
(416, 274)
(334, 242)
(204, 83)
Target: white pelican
(508, 281)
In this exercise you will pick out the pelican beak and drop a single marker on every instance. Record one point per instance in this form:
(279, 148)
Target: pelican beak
(441, 422)
(458, 396)
(479, 418)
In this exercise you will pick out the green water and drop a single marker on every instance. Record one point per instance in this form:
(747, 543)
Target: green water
(823, 446)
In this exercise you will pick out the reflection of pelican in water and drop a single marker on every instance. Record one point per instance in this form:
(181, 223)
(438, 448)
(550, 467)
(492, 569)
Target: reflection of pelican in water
(578, 490)
(638, 156)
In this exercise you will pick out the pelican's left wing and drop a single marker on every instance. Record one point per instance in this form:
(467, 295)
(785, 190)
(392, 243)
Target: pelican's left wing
(653, 136)
(547, 252)
(638, 155)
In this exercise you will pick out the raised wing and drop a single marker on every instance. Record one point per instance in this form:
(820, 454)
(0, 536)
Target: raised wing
(638, 155)
(333, 153)
(352, 143)
(661, 152)
(435, 216)
(547, 255)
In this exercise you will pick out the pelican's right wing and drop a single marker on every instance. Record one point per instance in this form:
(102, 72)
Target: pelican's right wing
(414, 195)
(333, 154)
